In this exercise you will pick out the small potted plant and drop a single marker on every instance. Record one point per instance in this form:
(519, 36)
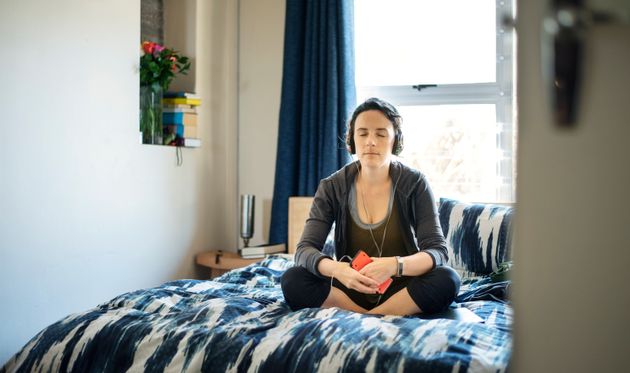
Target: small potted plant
(158, 66)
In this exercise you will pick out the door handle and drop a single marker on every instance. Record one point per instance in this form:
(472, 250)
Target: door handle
(562, 50)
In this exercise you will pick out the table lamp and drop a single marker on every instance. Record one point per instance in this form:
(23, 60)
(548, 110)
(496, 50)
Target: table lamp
(247, 217)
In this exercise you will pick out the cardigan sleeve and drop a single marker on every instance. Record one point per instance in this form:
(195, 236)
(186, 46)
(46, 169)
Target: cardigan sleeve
(427, 224)
(321, 217)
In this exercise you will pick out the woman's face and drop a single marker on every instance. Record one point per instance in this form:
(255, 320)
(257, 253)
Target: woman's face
(373, 139)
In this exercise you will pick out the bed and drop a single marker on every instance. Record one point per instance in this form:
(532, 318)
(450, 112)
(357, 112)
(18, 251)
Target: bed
(240, 322)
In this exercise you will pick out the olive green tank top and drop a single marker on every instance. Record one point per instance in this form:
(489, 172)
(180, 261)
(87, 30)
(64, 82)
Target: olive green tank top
(360, 238)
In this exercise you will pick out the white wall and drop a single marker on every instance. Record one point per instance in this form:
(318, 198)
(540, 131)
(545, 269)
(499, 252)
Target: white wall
(571, 292)
(86, 211)
(261, 44)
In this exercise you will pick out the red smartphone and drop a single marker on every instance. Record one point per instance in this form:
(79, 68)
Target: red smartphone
(360, 260)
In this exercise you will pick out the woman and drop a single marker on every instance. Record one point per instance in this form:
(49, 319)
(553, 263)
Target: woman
(387, 210)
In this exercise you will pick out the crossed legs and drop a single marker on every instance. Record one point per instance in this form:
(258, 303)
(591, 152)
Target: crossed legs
(431, 292)
(398, 304)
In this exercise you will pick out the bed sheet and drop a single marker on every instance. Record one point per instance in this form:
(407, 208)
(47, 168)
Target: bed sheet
(240, 322)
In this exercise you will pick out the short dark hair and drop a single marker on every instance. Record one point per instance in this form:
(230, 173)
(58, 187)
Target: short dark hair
(389, 111)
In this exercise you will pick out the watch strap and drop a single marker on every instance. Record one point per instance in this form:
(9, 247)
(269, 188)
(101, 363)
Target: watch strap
(399, 270)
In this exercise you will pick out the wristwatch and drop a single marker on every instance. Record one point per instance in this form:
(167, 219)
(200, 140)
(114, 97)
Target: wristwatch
(399, 270)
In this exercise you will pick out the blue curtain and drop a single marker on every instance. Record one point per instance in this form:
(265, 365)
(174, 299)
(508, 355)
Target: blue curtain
(318, 96)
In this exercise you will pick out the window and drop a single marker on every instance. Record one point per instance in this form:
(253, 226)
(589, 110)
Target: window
(447, 66)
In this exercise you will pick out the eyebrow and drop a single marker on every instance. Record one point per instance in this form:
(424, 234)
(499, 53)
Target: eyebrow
(365, 129)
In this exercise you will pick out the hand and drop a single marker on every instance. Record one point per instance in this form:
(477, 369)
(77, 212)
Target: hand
(380, 269)
(355, 280)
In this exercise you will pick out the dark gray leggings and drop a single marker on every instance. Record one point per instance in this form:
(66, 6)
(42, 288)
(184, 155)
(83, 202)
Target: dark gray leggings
(432, 292)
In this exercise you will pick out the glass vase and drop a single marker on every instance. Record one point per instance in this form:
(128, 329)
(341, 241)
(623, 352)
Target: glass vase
(151, 114)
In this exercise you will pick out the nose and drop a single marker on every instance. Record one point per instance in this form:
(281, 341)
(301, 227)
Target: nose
(371, 140)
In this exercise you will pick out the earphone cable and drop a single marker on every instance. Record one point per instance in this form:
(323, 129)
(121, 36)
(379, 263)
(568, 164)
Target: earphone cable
(379, 248)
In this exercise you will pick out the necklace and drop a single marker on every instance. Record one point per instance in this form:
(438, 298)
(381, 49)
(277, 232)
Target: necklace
(389, 215)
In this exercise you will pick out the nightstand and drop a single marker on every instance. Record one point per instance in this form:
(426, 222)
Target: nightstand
(220, 262)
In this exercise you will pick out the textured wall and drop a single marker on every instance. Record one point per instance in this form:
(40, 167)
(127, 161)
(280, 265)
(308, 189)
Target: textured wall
(152, 20)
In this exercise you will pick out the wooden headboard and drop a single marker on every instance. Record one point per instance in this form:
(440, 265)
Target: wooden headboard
(299, 208)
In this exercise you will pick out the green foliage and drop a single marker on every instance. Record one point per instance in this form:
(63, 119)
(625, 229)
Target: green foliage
(158, 65)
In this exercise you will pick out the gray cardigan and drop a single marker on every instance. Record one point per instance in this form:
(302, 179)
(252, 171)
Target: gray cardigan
(413, 199)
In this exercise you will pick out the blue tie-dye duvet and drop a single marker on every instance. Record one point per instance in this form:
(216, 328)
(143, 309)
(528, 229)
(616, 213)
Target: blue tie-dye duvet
(240, 322)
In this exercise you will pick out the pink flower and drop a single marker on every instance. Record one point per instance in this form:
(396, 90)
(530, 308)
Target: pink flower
(173, 60)
(158, 48)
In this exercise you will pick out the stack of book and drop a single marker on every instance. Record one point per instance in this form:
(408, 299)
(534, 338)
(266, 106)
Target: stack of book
(253, 252)
(179, 117)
